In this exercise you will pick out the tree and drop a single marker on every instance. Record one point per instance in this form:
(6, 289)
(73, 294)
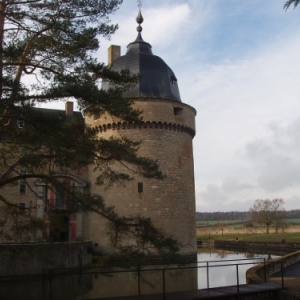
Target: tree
(46, 55)
(290, 2)
(268, 212)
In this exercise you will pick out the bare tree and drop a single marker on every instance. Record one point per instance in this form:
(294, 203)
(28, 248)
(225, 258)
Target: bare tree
(268, 212)
(290, 2)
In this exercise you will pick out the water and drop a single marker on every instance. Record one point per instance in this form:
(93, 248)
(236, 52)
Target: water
(224, 276)
(91, 286)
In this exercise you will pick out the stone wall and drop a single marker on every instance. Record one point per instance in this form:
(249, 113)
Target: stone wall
(258, 273)
(166, 135)
(276, 247)
(23, 259)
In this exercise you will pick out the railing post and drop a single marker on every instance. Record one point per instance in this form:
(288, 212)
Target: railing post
(237, 280)
(282, 282)
(265, 271)
(43, 284)
(207, 275)
(164, 287)
(50, 284)
(139, 281)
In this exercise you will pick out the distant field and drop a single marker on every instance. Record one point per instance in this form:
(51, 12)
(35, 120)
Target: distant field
(237, 223)
(222, 223)
(292, 221)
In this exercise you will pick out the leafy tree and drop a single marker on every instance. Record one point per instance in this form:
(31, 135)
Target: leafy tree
(47, 54)
(268, 212)
(290, 2)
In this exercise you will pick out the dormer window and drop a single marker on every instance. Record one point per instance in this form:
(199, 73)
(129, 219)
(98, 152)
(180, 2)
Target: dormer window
(174, 80)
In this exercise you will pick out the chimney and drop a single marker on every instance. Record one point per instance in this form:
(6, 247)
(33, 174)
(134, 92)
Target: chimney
(114, 52)
(69, 108)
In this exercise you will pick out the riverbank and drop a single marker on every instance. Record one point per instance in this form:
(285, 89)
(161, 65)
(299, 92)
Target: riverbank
(278, 248)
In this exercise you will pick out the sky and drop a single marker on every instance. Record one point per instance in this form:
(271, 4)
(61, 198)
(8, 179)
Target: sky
(238, 64)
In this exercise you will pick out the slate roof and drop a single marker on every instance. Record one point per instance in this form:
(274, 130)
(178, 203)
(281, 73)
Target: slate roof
(157, 78)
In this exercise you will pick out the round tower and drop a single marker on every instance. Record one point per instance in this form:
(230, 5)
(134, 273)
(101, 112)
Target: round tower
(166, 135)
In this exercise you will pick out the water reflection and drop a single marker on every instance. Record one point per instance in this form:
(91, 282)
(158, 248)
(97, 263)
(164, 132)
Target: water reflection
(223, 276)
(55, 288)
(149, 280)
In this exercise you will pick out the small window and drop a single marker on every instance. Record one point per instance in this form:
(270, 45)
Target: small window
(174, 80)
(21, 208)
(20, 123)
(140, 187)
(22, 183)
(177, 111)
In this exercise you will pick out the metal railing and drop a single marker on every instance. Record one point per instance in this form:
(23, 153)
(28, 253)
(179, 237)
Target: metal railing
(49, 275)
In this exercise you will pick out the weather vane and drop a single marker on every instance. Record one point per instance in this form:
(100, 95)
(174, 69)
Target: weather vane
(140, 3)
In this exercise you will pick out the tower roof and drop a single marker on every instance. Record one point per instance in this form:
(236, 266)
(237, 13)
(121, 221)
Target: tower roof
(157, 78)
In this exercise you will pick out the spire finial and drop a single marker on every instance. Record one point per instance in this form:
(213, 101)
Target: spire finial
(139, 19)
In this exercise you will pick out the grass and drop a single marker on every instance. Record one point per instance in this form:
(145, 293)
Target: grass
(234, 223)
(263, 237)
(237, 223)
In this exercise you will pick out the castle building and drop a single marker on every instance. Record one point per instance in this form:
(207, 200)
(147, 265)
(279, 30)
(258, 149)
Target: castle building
(166, 133)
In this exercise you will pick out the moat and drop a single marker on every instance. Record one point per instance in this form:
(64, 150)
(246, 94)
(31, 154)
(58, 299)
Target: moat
(96, 285)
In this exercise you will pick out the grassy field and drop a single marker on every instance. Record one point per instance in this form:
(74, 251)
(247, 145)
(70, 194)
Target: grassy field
(238, 223)
(221, 223)
(263, 237)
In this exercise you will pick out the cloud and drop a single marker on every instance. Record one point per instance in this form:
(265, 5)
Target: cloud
(238, 66)
(276, 156)
(161, 26)
(231, 185)
(292, 202)
(247, 121)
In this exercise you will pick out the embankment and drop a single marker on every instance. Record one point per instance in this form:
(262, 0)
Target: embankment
(278, 248)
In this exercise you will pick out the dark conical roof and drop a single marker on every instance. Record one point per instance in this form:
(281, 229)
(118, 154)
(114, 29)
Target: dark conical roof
(157, 79)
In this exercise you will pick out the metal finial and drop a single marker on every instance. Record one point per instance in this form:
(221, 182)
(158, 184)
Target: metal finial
(139, 19)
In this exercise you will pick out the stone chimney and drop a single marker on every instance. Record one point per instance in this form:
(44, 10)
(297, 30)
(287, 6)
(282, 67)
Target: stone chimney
(69, 108)
(114, 52)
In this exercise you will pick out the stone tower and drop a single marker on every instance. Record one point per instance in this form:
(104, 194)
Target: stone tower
(166, 133)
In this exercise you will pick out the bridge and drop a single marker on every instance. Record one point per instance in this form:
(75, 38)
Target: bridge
(278, 282)
(269, 290)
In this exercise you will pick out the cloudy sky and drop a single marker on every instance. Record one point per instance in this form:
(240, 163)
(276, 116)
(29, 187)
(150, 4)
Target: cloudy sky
(238, 63)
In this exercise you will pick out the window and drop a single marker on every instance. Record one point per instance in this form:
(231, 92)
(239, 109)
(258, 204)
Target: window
(140, 187)
(20, 123)
(21, 208)
(177, 111)
(59, 199)
(174, 80)
(22, 183)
